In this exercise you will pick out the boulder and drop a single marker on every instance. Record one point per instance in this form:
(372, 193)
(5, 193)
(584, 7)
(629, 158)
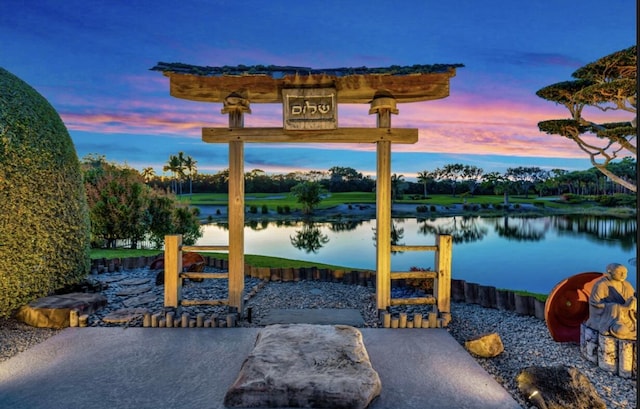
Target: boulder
(53, 311)
(487, 345)
(306, 366)
(558, 387)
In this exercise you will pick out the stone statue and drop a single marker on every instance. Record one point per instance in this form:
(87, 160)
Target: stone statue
(613, 305)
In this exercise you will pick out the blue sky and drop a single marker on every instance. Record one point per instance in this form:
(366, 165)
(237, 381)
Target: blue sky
(92, 60)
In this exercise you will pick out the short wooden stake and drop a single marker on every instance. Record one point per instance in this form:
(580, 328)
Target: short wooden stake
(82, 320)
(433, 317)
(185, 320)
(146, 320)
(169, 319)
(231, 320)
(440, 323)
(200, 320)
(192, 323)
(154, 320)
(417, 320)
(214, 320)
(446, 318)
(425, 323)
(207, 323)
(162, 323)
(386, 320)
(73, 318)
(403, 320)
(409, 324)
(394, 322)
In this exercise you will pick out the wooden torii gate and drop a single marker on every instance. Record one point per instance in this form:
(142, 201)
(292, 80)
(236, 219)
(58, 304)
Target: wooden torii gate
(310, 99)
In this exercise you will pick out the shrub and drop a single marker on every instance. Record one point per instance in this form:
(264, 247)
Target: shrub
(617, 200)
(421, 209)
(253, 209)
(432, 208)
(286, 209)
(539, 204)
(265, 209)
(572, 198)
(44, 241)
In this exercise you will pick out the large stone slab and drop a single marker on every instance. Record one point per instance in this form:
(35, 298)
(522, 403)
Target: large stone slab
(306, 366)
(53, 311)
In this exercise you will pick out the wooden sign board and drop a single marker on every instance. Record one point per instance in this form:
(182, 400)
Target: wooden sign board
(310, 108)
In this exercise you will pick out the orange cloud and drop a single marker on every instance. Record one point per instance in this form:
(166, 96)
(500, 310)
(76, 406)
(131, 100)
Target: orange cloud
(460, 124)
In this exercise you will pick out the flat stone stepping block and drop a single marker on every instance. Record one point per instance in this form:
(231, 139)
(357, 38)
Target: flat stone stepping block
(53, 311)
(135, 281)
(306, 366)
(319, 316)
(124, 315)
(140, 300)
(134, 290)
(112, 278)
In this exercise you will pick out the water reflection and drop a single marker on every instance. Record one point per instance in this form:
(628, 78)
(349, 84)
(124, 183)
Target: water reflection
(344, 225)
(531, 254)
(397, 233)
(462, 229)
(521, 228)
(309, 238)
(599, 228)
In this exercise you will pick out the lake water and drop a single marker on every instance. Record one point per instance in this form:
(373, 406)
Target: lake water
(532, 254)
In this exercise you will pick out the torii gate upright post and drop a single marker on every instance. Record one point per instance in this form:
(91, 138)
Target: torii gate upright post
(236, 106)
(383, 106)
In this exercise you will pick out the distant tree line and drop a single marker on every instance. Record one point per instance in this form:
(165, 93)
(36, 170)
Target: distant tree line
(454, 179)
(133, 206)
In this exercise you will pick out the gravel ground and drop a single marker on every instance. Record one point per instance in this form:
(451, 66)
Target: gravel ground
(526, 339)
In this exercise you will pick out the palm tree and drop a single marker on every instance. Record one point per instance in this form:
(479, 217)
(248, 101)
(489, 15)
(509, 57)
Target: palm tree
(180, 172)
(173, 166)
(148, 174)
(192, 169)
(425, 177)
(397, 186)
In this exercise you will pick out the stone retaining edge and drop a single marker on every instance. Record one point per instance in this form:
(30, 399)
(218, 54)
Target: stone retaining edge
(461, 291)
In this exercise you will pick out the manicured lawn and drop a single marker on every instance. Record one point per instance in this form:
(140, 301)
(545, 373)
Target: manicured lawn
(273, 200)
(251, 259)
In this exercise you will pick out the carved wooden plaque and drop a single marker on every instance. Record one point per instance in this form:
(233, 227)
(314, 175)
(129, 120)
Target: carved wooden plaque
(310, 108)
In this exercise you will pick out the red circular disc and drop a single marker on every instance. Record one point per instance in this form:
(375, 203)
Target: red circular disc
(568, 306)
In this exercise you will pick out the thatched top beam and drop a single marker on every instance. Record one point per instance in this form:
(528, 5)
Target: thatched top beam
(260, 84)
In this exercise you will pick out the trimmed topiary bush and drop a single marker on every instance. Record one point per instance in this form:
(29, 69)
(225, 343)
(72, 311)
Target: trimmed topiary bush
(44, 217)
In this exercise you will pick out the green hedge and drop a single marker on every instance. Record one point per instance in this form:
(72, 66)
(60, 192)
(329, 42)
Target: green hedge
(44, 218)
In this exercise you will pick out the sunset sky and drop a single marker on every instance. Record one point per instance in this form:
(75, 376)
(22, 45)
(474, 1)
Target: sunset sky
(91, 59)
